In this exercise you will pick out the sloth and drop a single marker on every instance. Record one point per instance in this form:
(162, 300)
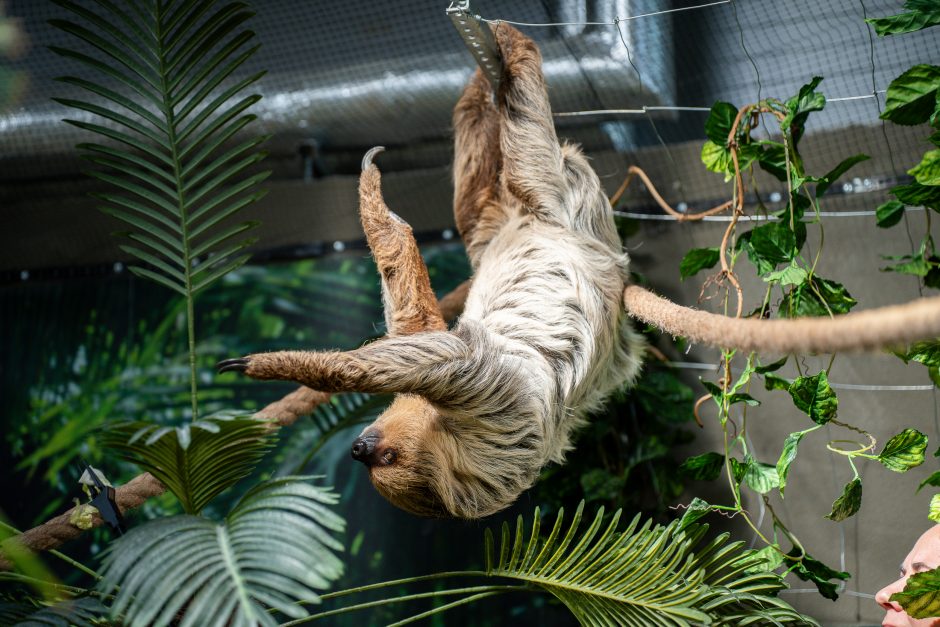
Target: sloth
(543, 339)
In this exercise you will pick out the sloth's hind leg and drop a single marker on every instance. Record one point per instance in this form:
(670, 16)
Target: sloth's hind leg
(533, 163)
(477, 163)
(410, 304)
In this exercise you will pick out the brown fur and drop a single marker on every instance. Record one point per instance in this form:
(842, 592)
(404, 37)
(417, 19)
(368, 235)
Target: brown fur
(544, 338)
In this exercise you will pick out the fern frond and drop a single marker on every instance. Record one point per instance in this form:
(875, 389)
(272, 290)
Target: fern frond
(167, 111)
(274, 550)
(643, 575)
(196, 461)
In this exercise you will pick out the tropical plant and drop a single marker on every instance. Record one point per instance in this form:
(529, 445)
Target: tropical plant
(171, 119)
(643, 574)
(273, 549)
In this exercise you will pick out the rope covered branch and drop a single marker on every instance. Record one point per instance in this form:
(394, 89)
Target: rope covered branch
(884, 327)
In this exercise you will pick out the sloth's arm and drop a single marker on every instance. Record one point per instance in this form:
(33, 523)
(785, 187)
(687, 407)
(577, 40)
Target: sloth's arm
(422, 364)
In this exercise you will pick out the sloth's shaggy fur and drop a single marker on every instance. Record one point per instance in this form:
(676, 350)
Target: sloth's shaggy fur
(543, 339)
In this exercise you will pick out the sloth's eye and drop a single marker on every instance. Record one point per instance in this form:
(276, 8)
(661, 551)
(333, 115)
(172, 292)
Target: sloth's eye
(389, 456)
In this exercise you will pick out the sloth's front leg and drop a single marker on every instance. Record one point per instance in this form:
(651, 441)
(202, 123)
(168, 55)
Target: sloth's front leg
(410, 304)
(424, 364)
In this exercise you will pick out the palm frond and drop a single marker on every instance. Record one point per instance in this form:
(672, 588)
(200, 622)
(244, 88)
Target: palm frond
(642, 575)
(80, 612)
(274, 550)
(165, 107)
(195, 461)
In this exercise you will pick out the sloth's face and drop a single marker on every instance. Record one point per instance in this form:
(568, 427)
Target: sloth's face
(395, 450)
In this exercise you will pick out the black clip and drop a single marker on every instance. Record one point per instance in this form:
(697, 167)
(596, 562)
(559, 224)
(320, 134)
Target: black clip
(103, 498)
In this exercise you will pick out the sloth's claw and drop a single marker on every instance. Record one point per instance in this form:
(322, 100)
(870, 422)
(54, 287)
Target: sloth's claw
(239, 364)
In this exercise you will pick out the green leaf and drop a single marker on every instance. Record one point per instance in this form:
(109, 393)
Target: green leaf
(173, 104)
(704, 467)
(833, 175)
(816, 297)
(791, 275)
(772, 367)
(787, 456)
(764, 560)
(810, 569)
(920, 597)
(904, 451)
(932, 480)
(906, 22)
(761, 477)
(926, 352)
(914, 195)
(675, 576)
(927, 172)
(800, 106)
(911, 96)
(813, 396)
(196, 461)
(696, 260)
(848, 503)
(934, 510)
(696, 510)
(772, 382)
(772, 159)
(273, 552)
(77, 612)
(889, 214)
(719, 121)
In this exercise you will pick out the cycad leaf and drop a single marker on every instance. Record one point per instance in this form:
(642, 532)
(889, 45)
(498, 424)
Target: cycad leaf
(274, 550)
(80, 612)
(196, 461)
(172, 103)
(643, 575)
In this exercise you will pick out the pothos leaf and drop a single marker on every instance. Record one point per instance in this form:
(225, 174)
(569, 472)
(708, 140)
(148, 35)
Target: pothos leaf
(809, 568)
(932, 480)
(704, 467)
(696, 260)
(800, 106)
(761, 477)
(696, 509)
(832, 176)
(816, 296)
(914, 195)
(927, 172)
(904, 451)
(719, 121)
(918, 18)
(910, 98)
(920, 597)
(848, 503)
(889, 214)
(926, 352)
(815, 397)
(773, 367)
(787, 456)
(765, 560)
(933, 512)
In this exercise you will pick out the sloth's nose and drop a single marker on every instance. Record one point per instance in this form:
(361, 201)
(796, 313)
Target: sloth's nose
(364, 446)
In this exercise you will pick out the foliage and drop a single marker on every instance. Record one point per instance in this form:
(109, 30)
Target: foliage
(194, 461)
(920, 597)
(920, 14)
(77, 612)
(168, 160)
(643, 574)
(275, 548)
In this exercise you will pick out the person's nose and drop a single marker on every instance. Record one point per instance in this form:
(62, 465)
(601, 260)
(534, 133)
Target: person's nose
(883, 597)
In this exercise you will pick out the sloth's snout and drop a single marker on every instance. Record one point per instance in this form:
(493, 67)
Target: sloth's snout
(364, 447)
